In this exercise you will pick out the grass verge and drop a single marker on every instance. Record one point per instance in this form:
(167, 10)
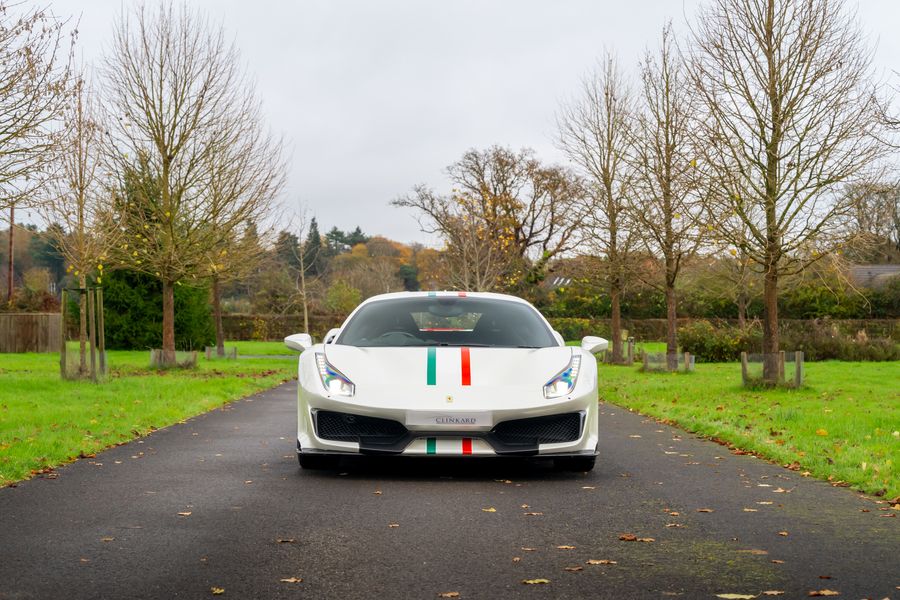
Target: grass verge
(842, 426)
(45, 421)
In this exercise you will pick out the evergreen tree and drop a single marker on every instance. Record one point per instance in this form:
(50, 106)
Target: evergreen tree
(287, 250)
(313, 260)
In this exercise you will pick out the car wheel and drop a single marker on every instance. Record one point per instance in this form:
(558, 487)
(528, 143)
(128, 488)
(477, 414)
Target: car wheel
(317, 461)
(575, 463)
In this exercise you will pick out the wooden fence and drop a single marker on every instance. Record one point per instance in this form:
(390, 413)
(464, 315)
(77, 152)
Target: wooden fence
(29, 332)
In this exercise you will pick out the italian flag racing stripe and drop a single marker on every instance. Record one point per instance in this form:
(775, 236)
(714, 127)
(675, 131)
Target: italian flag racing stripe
(431, 369)
(448, 446)
(466, 366)
(461, 294)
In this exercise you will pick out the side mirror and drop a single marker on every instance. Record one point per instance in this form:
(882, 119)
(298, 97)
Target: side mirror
(331, 335)
(594, 344)
(299, 342)
(559, 338)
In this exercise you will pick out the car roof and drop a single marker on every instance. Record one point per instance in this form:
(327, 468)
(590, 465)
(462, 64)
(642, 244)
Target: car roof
(445, 293)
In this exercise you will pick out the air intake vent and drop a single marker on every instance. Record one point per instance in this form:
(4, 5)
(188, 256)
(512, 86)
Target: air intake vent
(552, 429)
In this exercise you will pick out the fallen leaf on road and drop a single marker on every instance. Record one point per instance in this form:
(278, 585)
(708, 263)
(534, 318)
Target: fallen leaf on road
(526, 549)
(765, 503)
(448, 595)
(285, 540)
(524, 506)
(588, 487)
(393, 525)
(535, 581)
(777, 562)
(516, 558)
(630, 537)
(823, 593)
(534, 514)
(781, 491)
(291, 580)
(705, 510)
(107, 539)
(565, 547)
(674, 513)
(601, 561)
(754, 551)
(574, 569)
(186, 513)
(377, 492)
(489, 509)
(773, 593)
(634, 436)
(217, 591)
(751, 510)
(674, 525)
(783, 533)
(736, 596)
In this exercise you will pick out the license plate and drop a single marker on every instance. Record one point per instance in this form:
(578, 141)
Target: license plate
(448, 419)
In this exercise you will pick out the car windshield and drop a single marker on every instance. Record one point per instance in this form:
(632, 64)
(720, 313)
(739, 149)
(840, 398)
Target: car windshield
(447, 321)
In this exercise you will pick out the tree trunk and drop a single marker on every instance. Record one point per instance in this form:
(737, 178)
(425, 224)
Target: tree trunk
(168, 324)
(671, 332)
(771, 367)
(615, 294)
(303, 295)
(217, 315)
(742, 310)
(10, 262)
(82, 325)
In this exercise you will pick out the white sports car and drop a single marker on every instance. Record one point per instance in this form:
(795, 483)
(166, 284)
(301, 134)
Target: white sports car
(446, 374)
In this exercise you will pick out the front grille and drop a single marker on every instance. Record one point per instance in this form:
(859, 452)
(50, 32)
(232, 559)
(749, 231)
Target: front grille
(344, 427)
(552, 429)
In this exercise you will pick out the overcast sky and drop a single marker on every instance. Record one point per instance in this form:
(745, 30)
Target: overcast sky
(374, 97)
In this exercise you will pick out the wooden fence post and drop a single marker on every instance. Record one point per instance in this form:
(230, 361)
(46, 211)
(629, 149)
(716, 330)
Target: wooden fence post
(687, 362)
(781, 366)
(92, 331)
(744, 374)
(101, 332)
(646, 361)
(631, 351)
(62, 335)
(798, 369)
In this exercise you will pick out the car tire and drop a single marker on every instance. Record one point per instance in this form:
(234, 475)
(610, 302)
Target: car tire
(578, 464)
(317, 462)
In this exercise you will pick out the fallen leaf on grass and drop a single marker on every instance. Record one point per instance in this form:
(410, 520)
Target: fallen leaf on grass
(535, 581)
(736, 596)
(217, 591)
(565, 547)
(574, 569)
(705, 510)
(822, 432)
(823, 593)
(285, 540)
(448, 595)
(489, 509)
(600, 561)
(291, 580)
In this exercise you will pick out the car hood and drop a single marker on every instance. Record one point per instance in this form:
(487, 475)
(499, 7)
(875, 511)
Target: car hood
(434, 373)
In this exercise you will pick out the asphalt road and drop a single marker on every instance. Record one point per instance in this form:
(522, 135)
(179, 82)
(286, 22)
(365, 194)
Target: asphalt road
(203, 505)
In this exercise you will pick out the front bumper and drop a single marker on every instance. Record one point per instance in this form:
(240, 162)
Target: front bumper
(492, 439)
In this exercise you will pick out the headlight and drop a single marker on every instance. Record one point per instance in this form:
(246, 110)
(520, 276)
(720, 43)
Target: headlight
(564, 382)
(333, 380)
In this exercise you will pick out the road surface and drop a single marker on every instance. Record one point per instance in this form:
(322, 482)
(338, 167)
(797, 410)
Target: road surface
(219, 502)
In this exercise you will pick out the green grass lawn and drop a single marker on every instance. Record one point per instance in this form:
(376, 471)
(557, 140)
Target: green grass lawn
(45, 421)
(843, 425)
(261, 348)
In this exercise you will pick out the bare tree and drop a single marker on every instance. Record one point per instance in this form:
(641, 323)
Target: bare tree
(78, 201)
(596, 134)
(789, 116)
(34, 86)
(180, 108)
(666, 205)
(522, 214)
